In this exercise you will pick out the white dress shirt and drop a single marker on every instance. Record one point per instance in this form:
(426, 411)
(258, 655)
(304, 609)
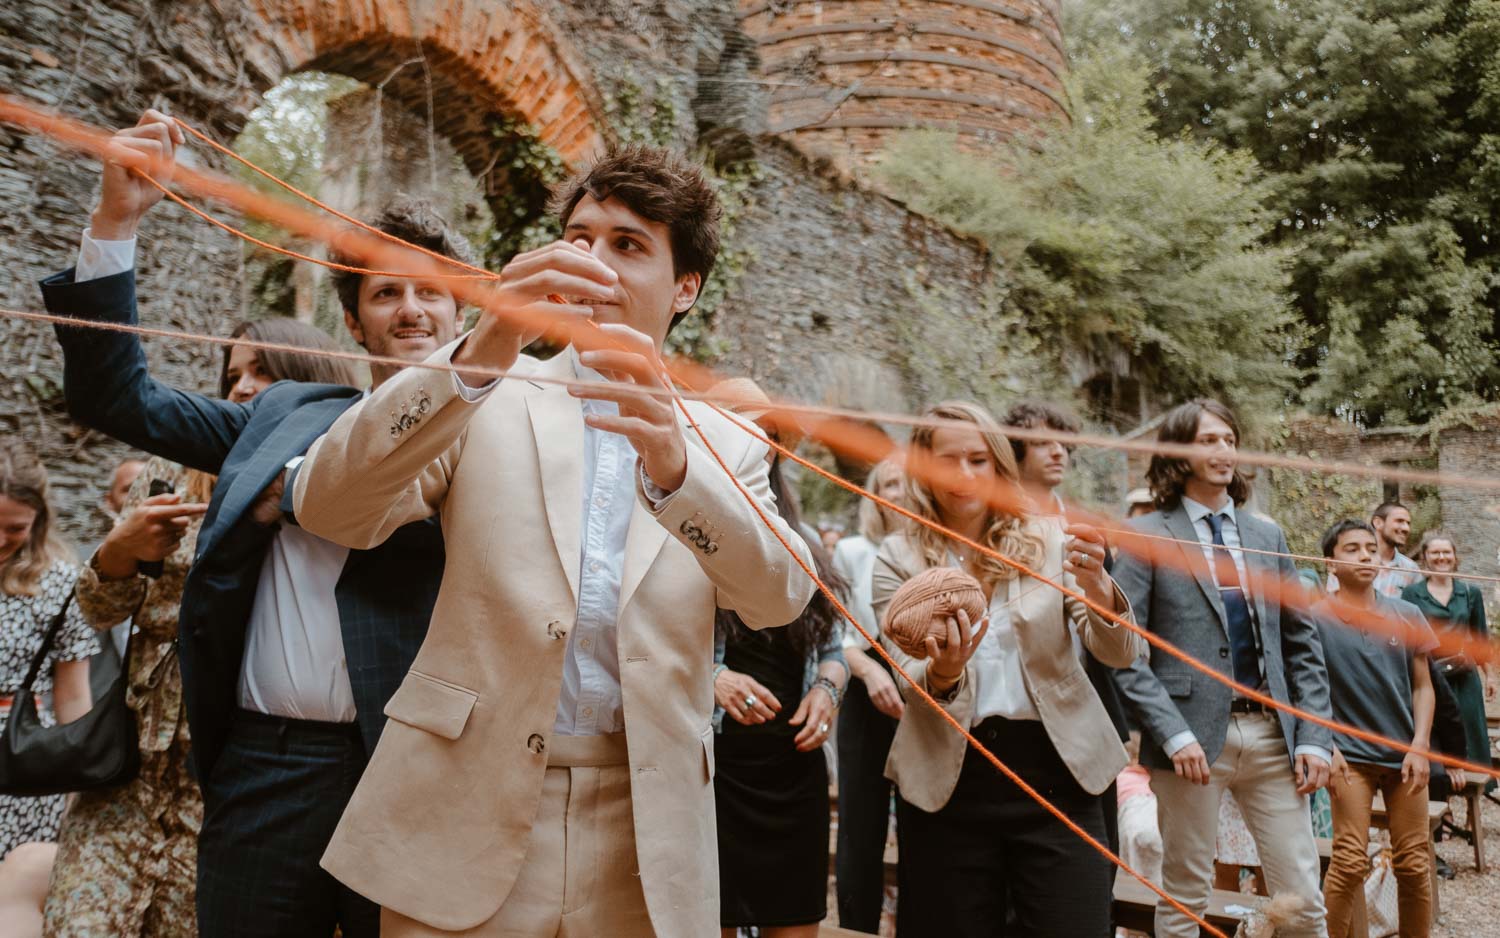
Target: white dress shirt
(1230, 526)
(98, 258)
(999, 678)
(294, 649)
(590, 700)
(854, 559)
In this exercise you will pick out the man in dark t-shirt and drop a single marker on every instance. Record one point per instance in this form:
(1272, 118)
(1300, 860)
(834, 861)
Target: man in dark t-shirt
(1378, 682)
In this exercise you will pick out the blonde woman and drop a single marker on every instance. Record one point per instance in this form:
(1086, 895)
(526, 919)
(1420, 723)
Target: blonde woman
(36, 579)
(1456, 607)
(867, 722)
(972, 843)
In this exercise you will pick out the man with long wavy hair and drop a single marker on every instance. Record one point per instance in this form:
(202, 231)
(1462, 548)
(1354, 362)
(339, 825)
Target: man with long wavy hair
(1210, 598)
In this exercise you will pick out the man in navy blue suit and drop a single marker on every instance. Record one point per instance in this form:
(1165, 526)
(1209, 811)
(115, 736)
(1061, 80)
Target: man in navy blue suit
(290, 645)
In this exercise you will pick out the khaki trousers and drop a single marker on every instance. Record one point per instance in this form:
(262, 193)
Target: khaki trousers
(1256, 768)
(1410, 859)
(580, 878)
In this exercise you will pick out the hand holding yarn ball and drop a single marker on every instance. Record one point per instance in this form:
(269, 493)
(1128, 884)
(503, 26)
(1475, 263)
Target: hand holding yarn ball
(923, 606)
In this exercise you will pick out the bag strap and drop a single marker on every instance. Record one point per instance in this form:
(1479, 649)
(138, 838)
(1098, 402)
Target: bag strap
(47, 642)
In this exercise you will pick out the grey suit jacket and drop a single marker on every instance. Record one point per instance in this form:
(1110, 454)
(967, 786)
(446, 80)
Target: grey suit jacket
(1173, 593)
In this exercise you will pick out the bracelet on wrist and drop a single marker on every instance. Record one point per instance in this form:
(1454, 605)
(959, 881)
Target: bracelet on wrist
(834, 694)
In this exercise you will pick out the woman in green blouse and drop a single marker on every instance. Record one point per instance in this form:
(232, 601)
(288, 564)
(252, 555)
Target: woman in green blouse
(1450, 603)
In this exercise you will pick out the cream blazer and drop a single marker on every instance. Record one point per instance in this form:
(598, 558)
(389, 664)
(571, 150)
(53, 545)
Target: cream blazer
(438, 826)
(927, 754)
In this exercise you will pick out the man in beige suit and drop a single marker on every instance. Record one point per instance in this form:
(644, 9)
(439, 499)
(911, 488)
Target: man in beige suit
(547, 762)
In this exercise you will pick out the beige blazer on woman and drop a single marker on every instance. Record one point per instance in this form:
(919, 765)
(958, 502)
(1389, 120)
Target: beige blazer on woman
(438, 827)
(927, 754)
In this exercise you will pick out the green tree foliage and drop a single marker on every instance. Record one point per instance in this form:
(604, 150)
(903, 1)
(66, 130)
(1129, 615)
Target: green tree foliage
(1376, 124)
(1115, 239)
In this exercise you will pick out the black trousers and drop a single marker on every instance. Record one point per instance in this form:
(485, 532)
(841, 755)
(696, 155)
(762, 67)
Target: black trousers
(992, 862)
(864, 741)
(270, 808)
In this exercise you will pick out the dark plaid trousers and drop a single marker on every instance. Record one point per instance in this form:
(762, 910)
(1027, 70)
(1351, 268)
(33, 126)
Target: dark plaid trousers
(270, 808)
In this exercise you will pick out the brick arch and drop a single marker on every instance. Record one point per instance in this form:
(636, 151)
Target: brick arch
(484, 58)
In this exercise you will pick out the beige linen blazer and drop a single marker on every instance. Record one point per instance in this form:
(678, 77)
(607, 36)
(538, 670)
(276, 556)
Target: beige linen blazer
(438, 826)
(927, 754)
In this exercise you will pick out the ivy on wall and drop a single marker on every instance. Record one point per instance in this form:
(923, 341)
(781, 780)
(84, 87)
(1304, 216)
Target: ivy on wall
(1306, 504)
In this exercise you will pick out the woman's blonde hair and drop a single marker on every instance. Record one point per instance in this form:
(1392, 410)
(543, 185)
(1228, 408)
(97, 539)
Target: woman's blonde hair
(874, 521)
(23, 479)
(1006, 533)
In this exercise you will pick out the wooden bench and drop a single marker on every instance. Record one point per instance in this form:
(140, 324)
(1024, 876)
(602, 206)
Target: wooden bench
(1135, 906)
(1473, 829)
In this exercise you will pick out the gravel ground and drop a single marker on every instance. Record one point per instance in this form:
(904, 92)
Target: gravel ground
(1470, 902)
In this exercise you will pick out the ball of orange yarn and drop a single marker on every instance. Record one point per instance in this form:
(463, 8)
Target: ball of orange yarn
(922, 605)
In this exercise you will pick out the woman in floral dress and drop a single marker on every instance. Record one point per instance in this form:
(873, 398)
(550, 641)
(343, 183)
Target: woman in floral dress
(36, 579)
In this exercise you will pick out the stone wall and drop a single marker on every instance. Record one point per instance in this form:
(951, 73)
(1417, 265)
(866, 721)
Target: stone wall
(1306, 503)
(827, 264)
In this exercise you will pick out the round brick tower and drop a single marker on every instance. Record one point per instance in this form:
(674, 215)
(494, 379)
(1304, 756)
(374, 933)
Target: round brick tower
(847, 74)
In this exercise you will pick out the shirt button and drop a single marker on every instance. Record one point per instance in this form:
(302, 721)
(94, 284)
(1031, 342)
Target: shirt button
(588, 711)
(584, 643)
(593, 566)
(600, 501)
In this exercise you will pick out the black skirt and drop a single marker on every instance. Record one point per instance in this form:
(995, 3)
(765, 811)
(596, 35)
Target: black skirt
(772, 807)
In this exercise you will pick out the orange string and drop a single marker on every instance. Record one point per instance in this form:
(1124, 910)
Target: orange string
(928, 698)
(81, 130)
(387, 236)
(293, 254)
(82, 136)
(1151, 637)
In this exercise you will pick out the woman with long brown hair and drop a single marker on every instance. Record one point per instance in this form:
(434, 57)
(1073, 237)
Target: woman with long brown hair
(973, 845)
(37, 574)
(127, 857)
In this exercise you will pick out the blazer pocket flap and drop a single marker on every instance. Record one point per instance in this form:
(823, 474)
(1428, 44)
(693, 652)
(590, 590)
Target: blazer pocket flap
(429, 704)
(1177, 685)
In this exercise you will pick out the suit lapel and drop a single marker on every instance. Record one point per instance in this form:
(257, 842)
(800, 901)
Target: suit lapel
(557, 430)
(643, 542)
(291, 437)
(1181, 528)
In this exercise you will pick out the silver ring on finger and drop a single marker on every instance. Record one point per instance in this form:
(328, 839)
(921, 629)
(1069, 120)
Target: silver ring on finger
(823, 728)
(749, 700)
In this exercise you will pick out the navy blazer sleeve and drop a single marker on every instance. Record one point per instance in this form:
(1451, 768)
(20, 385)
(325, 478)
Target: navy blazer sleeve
(107, 386)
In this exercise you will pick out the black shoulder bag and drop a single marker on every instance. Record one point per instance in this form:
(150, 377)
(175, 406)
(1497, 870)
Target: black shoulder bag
(98, 750)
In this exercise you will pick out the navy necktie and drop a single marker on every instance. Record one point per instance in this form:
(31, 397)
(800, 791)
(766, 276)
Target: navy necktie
(1236, 610)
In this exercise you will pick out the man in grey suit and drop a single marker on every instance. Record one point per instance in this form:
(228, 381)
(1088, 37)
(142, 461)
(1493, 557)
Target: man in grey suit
(1223, 607)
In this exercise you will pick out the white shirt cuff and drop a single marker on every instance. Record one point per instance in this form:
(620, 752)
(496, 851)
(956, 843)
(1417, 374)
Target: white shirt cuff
(656, 496)
(98, 258)
(1318, 751)
(1182, 740)
(473, 395)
